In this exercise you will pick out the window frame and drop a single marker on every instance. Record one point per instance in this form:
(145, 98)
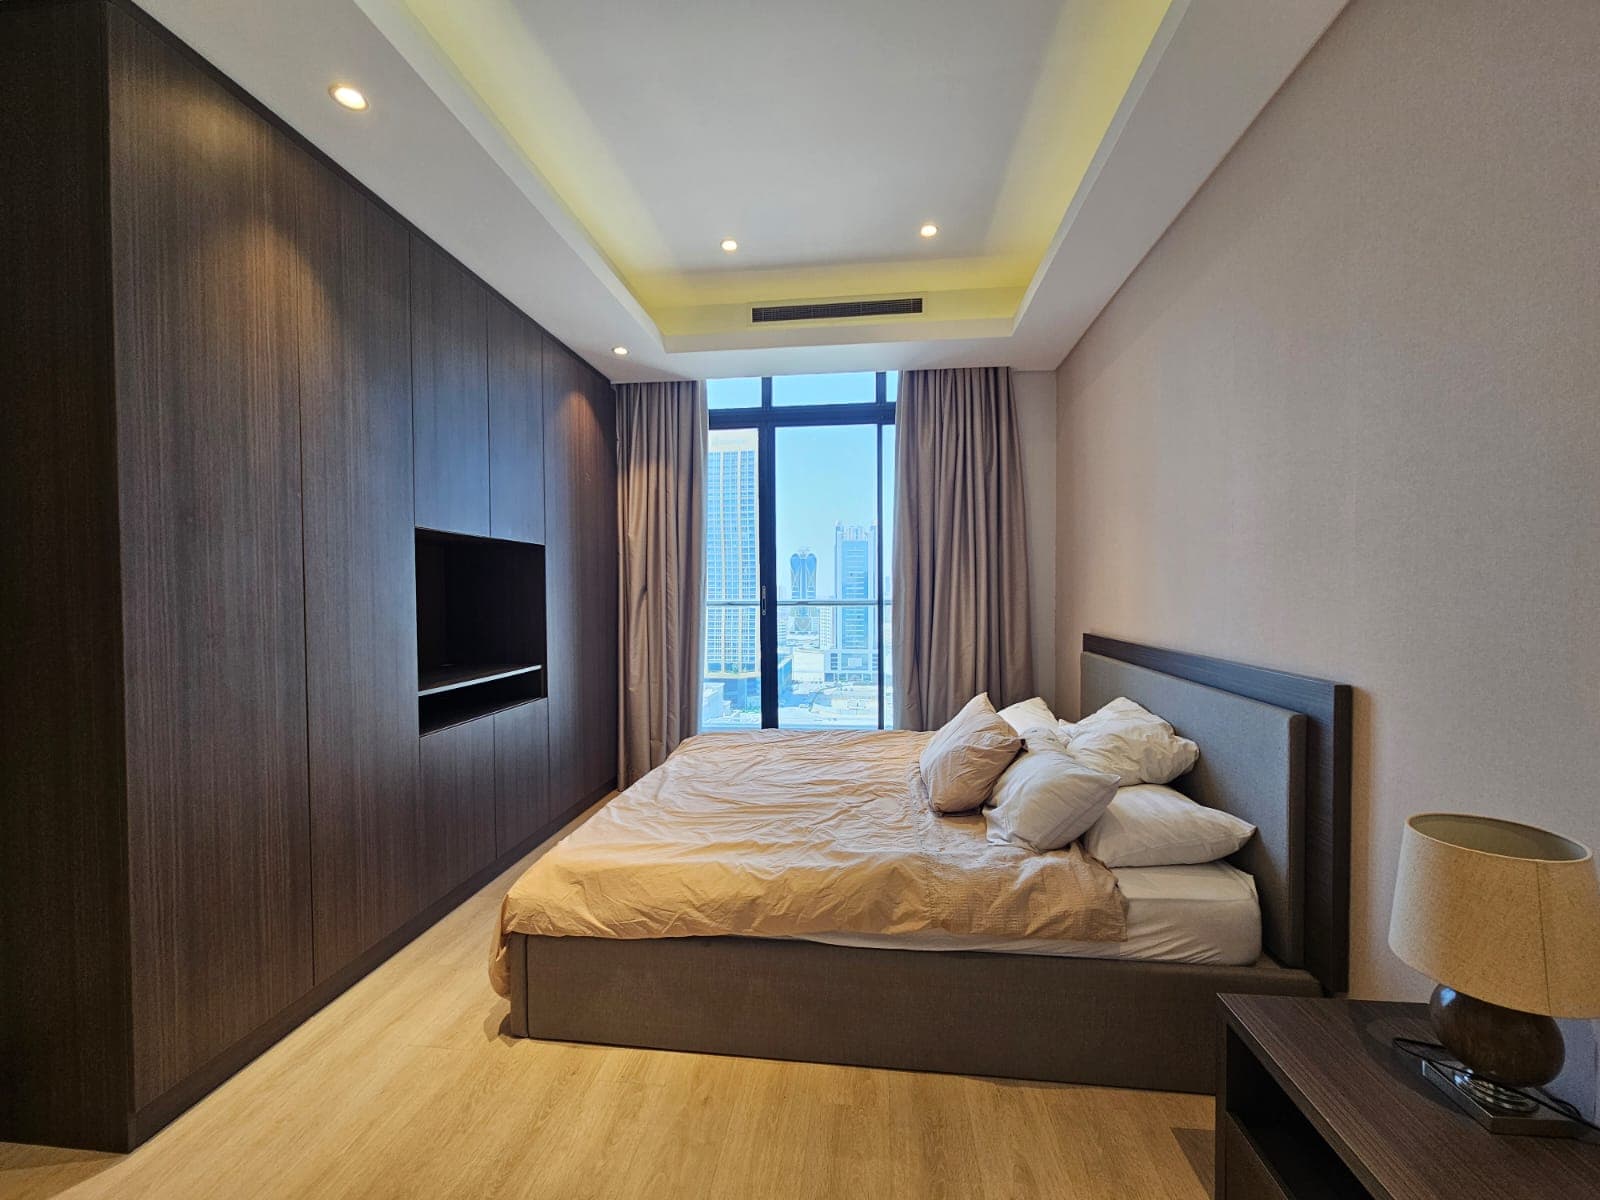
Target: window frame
(766, 420)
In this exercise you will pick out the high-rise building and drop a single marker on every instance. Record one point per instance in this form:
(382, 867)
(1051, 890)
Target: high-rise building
(853, 656)
(803, 575)
(802, 619)
(855, 566)
(733, 641)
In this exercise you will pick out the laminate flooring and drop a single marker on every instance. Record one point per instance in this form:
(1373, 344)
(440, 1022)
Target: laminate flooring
(405, 1087)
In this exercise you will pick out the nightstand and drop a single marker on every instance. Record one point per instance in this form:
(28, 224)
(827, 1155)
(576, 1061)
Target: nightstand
(1314, 1102)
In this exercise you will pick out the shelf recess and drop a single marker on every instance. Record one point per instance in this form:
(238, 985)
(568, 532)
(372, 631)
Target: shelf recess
(448, 679)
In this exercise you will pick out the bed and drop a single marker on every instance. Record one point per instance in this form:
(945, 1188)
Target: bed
(866, 982)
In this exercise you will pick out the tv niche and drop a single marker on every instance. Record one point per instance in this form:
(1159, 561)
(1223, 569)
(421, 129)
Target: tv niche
(480, 626)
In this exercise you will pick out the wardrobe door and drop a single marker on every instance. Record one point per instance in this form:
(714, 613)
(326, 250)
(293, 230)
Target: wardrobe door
(599, 627)
(455, 831)
(206, 199)
(581, 578)
(63, 866)
(521, 784)
(450, 392)
(361, 640)
(516, 424)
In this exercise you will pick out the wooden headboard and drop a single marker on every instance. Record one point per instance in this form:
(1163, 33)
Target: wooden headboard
(1304, 857)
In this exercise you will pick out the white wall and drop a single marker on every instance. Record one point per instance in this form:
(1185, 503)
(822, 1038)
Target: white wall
(1345, 420)
(1034, 393)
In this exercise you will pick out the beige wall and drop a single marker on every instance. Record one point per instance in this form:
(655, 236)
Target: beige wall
(1345, 420)
(1034, 393)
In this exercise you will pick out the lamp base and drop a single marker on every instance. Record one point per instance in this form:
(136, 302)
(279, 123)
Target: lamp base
(1498, 1109)
(1503, 1045)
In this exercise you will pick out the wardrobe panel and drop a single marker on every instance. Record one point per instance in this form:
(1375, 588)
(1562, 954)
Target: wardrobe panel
(521, 783)
(602, 629)
(581, 574)
(516, 424)
(455, 832)
(599, 625)
(206, 207)
(564, 416)
(213, 346)
(450, 392)
(63, 871)
(361, 642)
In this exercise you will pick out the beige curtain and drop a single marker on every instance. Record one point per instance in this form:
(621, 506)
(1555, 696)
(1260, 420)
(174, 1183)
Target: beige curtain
(960, 558)
(661, 467)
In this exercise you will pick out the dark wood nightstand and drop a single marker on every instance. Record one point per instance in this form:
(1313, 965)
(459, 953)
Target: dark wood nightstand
(1314, 1102)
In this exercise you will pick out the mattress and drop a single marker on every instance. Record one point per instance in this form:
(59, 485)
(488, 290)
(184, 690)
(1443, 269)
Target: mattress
(1207, 913)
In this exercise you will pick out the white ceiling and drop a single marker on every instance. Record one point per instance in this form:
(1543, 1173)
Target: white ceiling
(826, 137)
(819, 135)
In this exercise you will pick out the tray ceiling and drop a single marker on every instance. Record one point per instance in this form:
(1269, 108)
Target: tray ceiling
(589, 159)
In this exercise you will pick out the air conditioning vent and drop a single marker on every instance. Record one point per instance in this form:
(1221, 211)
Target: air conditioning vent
(907, 306)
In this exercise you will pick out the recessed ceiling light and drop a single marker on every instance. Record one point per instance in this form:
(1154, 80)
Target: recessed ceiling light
(620, 351)
(729, 245)
(929, 230)
(348, 96)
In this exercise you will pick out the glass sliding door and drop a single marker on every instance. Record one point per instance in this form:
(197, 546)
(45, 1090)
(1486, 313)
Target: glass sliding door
(830, 530)
(799, 538)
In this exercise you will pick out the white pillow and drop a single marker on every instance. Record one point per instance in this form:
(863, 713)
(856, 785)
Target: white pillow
(1028, 715)
(1045, 800)
(1130, 742)
(1119, 709)
(1152, 826)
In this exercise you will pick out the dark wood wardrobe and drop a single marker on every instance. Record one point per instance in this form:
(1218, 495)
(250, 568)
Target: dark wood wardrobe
(238, 386)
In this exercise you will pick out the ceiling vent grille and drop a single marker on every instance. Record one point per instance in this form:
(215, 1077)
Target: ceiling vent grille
(907, 306)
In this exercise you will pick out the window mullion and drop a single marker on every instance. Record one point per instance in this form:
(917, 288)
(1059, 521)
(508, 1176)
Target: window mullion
(877, 583)
(767, 556)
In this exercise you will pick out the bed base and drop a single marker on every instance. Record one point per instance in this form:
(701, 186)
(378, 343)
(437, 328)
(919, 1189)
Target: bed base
(1275, 751)
(1017, 1016)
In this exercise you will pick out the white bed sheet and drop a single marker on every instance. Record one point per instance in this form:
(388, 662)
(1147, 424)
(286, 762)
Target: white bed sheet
(1205, 913)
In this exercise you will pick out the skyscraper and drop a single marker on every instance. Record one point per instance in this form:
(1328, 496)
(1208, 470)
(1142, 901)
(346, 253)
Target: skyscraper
(803, 586)
(803, 575)
(733, 652)
(855, 566)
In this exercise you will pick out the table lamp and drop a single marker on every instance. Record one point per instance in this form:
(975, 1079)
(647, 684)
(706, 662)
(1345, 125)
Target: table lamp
(1505, 918)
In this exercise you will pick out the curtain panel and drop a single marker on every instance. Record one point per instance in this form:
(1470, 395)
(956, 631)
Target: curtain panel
(960, 559)
(661, 466)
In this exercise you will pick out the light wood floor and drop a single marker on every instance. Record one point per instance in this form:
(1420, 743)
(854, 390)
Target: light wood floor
(404, 1087)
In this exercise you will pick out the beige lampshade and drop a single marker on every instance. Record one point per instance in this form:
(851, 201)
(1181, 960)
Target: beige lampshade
(1503, 912)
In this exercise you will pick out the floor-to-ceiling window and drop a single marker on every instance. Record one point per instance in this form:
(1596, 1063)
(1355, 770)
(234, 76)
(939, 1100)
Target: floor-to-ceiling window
(799, 545)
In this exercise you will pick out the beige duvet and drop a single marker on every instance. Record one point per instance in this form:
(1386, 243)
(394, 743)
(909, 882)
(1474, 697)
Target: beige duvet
(789, 834)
